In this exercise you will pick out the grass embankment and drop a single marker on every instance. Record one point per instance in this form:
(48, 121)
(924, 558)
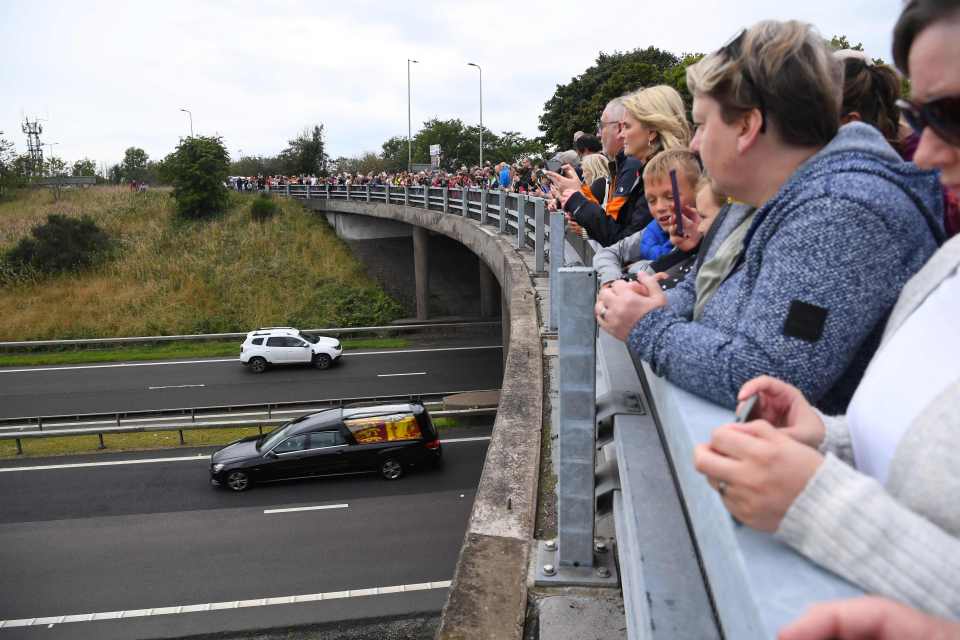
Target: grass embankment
(165, 352)
(172, 277)
(39, 447)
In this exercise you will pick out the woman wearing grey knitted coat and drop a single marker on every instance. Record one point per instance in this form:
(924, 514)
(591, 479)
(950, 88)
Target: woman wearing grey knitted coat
(874, 495)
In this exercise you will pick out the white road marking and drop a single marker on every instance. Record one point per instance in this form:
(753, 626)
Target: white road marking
(79, 465)
(176, 386)
(198, 457)
(394, 375)
(217, 606)
(237, 360)
(321, 507)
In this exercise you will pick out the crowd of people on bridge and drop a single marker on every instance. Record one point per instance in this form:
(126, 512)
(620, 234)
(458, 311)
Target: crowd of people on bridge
(795, 242)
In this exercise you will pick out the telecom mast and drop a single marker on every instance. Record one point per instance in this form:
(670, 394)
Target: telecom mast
(34, 147)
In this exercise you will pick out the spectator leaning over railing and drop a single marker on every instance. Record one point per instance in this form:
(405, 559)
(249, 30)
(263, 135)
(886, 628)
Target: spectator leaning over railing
(653, 119)
(799, 287)
(596, 175)
(873, 495)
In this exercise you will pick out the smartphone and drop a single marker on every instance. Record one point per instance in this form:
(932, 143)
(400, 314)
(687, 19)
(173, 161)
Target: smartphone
(743, 413)
(677, 208)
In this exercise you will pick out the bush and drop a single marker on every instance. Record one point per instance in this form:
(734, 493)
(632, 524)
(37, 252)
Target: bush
(61, 244)
(198, 170)
(263, 208)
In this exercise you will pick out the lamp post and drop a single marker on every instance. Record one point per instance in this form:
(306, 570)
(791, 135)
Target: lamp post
(409, 121)
(189, 113)
(473, 64)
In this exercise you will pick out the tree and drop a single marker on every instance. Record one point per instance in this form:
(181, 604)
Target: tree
(198, 170)
(54, 166)
(8, 175)
(838, 43)
(115, 174)
(84, 167)
(577, 106)
(134, 165)
(305, 154)
(61, 244)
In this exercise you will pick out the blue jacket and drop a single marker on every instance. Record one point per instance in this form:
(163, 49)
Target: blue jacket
(823, 263)
(655, 242)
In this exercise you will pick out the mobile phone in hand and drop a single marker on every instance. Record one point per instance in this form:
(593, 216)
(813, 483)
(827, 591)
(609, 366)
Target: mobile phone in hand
(677, 207)
(743, 413)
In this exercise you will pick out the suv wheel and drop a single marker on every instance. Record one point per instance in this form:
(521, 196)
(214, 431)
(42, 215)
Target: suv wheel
(322, 361)
(391, 469)
(258, 365)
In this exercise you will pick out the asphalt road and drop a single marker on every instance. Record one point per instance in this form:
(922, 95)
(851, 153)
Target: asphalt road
(91, 539)
(120, 387)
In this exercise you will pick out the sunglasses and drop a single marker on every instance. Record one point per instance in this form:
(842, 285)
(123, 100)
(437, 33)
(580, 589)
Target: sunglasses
(942, 115)
(733, 51)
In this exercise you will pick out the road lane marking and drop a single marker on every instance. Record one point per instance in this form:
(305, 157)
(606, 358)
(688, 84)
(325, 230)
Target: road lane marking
(230, 604)
(393, 375)
(176, 386)
(198, 457)
(316, 508)
(79, 465)
(220, 360)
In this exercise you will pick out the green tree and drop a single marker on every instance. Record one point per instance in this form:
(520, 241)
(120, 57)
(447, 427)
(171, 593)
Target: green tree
(84, 167)
(577, 105)
(8, 174)
(54, 166)
(839, 43)
(394, 153)
(61, 244)
(198, 170)
(115, 174)
(134, 164)
(305, 154)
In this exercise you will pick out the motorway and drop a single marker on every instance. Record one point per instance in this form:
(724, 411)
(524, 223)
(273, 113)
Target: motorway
(120, 387)
(154, 534)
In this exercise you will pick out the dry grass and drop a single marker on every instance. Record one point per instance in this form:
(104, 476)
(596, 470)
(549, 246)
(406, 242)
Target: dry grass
(172, 277)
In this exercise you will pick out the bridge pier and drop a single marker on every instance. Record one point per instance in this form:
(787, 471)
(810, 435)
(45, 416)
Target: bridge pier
(488, 291)
(421, 271)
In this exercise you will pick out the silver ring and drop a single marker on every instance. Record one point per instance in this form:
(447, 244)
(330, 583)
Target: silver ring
(722, 488)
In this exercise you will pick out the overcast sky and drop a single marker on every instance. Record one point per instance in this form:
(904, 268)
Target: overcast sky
(105, 76)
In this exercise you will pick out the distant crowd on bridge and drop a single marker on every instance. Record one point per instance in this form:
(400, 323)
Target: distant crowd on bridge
(795, 244)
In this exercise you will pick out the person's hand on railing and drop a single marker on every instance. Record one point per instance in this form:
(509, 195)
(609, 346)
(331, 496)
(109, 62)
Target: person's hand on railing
(623, 304)
(757, 469)
(869, 618)
(783, 405)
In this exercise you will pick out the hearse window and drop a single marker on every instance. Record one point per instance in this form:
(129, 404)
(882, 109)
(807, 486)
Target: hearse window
(293, 443)
(320, 439)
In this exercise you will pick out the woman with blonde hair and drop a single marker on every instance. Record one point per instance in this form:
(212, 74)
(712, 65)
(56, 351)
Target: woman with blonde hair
(654, 119)
(596, 174)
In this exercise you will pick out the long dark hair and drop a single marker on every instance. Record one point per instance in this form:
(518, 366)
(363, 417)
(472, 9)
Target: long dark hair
(872, 91)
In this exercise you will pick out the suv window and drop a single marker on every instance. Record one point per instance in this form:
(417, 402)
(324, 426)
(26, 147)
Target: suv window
(284, 341)
(320, 439)
(293, 443)
(258, 341)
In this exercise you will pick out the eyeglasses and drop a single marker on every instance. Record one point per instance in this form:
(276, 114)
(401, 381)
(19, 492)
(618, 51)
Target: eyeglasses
(942, 115)
(601, 124)
(733, 51)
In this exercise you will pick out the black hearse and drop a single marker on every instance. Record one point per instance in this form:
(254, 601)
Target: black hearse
(384, 439)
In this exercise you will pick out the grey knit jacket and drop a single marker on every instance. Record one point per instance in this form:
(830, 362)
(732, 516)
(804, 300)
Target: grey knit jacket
(901, 540)
(823, 263)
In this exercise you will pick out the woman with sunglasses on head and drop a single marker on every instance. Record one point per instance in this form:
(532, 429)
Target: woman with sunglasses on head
(873, 495)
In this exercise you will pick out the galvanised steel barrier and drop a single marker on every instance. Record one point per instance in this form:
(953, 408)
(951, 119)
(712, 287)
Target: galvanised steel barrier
(688, 570)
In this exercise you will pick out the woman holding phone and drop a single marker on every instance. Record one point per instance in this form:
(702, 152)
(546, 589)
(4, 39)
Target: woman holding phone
(873, 495)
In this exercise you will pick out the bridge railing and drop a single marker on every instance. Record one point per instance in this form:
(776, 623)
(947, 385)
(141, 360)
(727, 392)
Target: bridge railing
(687, 569)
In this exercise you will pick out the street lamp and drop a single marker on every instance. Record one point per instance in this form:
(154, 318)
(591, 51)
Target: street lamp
(473, 64)
(189, 113)
(409, 127)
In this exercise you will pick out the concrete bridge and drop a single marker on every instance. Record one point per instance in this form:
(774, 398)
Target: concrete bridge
(590, 520)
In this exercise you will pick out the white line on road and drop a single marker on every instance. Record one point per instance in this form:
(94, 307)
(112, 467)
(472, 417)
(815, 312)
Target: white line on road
(321, 507)
(198, 457)
(237, 360)
(394, 375)
(217, 606)
(176, 386)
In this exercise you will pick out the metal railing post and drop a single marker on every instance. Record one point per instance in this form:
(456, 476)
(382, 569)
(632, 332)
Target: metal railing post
(368, 192)
(446, 200)
(503, 211)
(406, 196)
(327, 190)
(483, 206)
(521, 220)
(287, 190)
(557, 226)
(538, 237)
(466, 203)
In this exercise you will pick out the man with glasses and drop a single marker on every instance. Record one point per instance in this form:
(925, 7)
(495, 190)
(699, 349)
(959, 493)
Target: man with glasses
(602, 220)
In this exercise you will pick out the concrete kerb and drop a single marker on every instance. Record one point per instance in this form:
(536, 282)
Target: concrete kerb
(488, 597)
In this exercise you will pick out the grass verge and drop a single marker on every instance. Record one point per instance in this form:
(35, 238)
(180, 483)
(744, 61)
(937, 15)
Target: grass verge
(165, 351)
(75, 445)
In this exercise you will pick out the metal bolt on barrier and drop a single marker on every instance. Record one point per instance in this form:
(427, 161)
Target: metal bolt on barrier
(549, 569)
(551, 545)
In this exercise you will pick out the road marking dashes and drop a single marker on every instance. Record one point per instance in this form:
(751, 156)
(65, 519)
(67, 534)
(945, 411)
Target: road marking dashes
(393, 375)
(218, 606)
(316, 508)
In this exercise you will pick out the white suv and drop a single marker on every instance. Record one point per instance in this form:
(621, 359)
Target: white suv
(286, 345)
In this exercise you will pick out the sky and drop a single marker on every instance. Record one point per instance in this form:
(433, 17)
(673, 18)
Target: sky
(104, 76)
